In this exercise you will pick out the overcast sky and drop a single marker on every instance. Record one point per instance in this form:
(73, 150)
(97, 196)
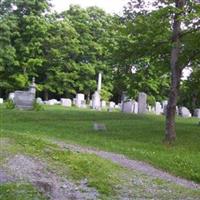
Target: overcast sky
(110, 6)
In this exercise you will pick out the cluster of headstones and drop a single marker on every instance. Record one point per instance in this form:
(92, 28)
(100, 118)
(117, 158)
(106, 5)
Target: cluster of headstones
(141, 107)
(80, 102)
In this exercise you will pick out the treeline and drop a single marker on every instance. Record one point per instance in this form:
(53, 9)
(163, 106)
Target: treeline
(65, 52)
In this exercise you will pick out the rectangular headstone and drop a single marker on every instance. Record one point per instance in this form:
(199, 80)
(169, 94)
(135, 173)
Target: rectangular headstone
(128, 107)
(66, 102)
(158, 108)
(142, 103)
(79, 99)
(24, 99)
(197, 112)
(1, 100)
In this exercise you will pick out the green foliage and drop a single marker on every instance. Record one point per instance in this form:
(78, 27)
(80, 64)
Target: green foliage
(10, 104)
(151, 100)
(37, 106)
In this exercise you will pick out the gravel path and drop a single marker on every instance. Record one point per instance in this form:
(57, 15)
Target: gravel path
(131, 164)
(24, 168)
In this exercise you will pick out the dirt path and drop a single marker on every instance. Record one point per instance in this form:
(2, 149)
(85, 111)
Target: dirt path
(131, 164)
(22, 168)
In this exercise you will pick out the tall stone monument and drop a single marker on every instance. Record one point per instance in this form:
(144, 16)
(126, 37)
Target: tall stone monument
(96, 97)
(142, 103)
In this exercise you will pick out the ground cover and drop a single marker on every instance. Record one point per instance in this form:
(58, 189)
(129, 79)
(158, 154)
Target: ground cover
(138, 137)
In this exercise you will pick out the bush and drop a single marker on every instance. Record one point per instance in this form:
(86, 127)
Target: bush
(10, 104)
(37, 106)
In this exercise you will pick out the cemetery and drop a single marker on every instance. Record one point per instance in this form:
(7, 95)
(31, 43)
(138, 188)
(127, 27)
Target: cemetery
(97, 105)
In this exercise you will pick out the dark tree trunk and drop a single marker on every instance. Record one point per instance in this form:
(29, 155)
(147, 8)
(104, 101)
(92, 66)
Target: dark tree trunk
(176, 71)
(46, 95)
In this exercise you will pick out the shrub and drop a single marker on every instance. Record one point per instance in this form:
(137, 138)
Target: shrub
(10, 104)
(37, 106)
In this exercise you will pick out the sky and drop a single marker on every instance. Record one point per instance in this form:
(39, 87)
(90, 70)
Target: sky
(110, 6)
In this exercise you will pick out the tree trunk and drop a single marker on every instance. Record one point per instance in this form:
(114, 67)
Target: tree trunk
(46, 95)
(176, 71)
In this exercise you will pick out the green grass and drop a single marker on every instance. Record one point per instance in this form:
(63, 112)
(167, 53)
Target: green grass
(137, 136)
(101, 174)
(13, 191)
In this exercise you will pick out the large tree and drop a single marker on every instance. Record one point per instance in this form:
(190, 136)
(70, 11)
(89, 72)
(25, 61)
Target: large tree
(168, 33)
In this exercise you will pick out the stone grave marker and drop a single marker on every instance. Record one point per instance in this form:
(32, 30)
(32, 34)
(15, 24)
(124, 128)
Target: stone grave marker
(142, 103)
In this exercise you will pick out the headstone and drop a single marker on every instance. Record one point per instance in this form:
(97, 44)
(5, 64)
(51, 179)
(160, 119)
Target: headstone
(96, 101)
(99, 127)
(128, 107)
(1, 100)
(142, 103)
(79, 100)
(25, 99)
(74, 101)
(39, 100)
(164, 106)
(135, 109)
(66, 102)
(158, 108)
(111, 104)
(184, 112)
(197, 112)
(11, 96)
(103, 104)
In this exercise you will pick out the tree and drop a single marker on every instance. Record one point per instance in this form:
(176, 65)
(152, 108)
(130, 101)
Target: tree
(183, 24)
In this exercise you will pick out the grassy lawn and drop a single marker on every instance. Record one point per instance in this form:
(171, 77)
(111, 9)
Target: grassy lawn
(138, 137)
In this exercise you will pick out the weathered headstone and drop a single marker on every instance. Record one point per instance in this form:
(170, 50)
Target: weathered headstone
(184, 112)
(99, 127)
(1, 100)
(79, 100)
(103, 104)
(66, 102)
(11, 96)
(142, 103)
(164, 106)
(158, 108)
(135, 109)
(111, 104)
(96, 100)
(128, 107)
(39, 100)
(25, 99)
(197, 112)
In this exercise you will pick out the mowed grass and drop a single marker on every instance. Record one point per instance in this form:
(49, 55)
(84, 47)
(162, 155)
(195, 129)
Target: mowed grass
(137, 136)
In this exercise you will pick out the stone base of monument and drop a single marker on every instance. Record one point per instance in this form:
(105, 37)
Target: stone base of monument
(24, 100)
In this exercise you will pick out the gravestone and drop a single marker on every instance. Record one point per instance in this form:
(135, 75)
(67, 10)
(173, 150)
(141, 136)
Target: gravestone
(128, 107)
(52, 102)
(25, 99)
(111, 104)
(158, 108)
(164, 106)
(1, 100)
(197, 112)
(184, 112)
(96, 97)
(11, 96)
(80, 99)
(96, 100)
(142, 103)
(135, 109)
(39, 100)
(99, 127)
(103, 104)
(66, 102)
